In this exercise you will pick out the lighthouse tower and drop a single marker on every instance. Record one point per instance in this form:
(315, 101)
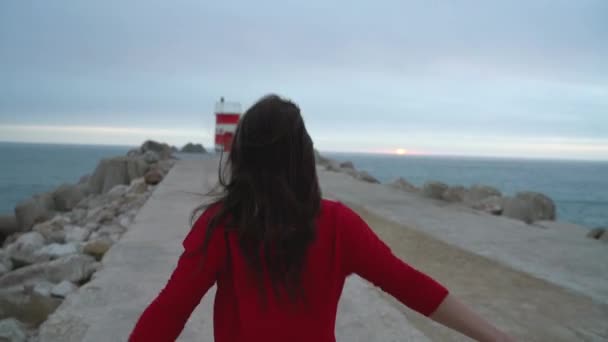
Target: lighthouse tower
(227, 116)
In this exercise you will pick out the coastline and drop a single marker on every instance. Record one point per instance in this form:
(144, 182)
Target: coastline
(55, 241)
(561, 253)
(503, 266)
(519, 300)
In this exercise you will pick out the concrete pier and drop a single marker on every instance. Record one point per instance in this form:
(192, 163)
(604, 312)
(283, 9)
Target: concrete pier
(138, 266)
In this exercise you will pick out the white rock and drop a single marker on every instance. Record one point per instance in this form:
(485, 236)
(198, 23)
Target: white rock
(93, 213)
(138, 186)
(5, 262)
(52, 230)
(117, 192)
(76, 234)
(151, 157)
(79, 215)
(43, 289)
(74, 267)
(63, 289)
(111, 230)
(91, 226)
(125, 221)
(33, 239)
(4, 269)
(105, 216)
(22, 251)
(12, 330)
(56, 250)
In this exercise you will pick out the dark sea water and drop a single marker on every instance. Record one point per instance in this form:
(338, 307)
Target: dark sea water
(579, 188)
(28, 169)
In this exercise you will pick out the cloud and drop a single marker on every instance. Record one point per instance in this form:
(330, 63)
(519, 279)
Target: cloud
(100, 134)
(510, 69)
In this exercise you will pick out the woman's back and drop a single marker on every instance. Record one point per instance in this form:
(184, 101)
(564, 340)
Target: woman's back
(279, 253)
(243, 311)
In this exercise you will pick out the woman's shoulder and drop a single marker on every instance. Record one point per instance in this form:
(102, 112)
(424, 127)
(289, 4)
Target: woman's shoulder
(334, 211)
(334, 206)
(198, 231)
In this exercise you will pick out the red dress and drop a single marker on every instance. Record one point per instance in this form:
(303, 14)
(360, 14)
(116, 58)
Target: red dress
(344, 245)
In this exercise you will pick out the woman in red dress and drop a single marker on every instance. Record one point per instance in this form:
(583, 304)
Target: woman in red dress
(280, 254)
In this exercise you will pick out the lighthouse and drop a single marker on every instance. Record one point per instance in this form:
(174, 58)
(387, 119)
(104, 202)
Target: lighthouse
(227, 116)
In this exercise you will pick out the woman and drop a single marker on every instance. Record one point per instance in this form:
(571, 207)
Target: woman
(280, 254)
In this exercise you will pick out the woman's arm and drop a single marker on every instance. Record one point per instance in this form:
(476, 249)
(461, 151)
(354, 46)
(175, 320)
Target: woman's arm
(457, 316)
(196, 272)
(365, 254)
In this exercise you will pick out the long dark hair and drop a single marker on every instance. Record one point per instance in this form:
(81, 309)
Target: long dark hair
(269, 193)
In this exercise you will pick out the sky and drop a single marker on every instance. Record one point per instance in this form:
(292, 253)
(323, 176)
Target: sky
(478, 78)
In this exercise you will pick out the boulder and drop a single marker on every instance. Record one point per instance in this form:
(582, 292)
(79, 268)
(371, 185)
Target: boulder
(34, 210)
(434, 190)
(529, 207)
(52, 230)
(28, 307)
(43, 289)
(454, 194)
(115, 171)
(193, 148)
(112, 231)
(347, 165)
(492, 205)
(597, 233)
(75, 268)
(478, 193)
(366, 177)
(97, 248)
(151, 157)
(8, 225)
(101, 215)
(163, 150)
(23, 251)
(117, 192)
(125, 221)
(76, 234)
(4, 268)
(11, 330)
(67, 196)
(106, 216)
(138, 186)
(55, 250)
(402, 184)
(543, 208)
(332, 165)
(6, 265)
(63, 289)
(78, 216)
(517, 209)
(153, 177)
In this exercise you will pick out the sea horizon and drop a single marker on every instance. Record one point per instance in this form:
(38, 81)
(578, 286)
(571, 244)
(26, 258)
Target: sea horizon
(344, 152)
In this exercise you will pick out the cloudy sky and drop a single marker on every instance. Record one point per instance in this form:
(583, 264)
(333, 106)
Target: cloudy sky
(509, 78)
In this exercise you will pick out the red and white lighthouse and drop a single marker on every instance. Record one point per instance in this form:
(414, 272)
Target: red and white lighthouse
(227, 116)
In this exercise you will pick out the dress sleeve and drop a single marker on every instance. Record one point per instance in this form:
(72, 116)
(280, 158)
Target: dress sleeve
(368, 256)
(165, 317)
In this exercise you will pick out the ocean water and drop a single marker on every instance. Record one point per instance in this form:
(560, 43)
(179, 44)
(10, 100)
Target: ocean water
(28, 169)
(579, 188)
